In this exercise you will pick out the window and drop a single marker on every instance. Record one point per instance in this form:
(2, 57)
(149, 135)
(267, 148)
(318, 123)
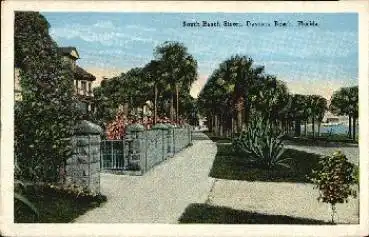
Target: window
(83, 87)
(90, 88)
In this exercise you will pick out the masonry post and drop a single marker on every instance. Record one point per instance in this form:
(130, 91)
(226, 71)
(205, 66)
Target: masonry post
(137, 156)
(83, 167)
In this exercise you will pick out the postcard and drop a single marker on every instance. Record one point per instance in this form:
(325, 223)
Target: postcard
(184, 118)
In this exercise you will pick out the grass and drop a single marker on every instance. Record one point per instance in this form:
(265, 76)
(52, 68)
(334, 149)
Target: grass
(53, 206)
(302, 140)
(218, 139)
(229, 165)
(310, 140)
(204, 213)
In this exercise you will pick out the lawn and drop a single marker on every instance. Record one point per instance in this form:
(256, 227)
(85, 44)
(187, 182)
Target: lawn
(53, 206)
(204, 213)
(218, 139)
(324, 138)
(229, 165)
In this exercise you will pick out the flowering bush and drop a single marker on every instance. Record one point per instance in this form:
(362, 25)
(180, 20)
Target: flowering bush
(116, 129)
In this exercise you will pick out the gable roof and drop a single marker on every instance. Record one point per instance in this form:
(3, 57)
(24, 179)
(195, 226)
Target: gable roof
(82, 74)
(69, 51)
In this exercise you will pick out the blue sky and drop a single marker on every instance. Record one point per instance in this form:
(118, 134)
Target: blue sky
(310, 59)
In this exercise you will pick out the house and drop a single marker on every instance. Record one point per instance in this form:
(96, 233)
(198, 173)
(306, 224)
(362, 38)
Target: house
(82, 80)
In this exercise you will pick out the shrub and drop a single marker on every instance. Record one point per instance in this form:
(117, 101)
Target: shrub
(44, 119)
(261, 142)
(333, 178)
(117, 128)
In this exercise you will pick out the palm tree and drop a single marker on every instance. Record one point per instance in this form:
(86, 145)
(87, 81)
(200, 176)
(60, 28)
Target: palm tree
(314, 106)
(321, 109)
(239, 76)
(152, 74)
(297, 111)
(179, 69)
(345, 101)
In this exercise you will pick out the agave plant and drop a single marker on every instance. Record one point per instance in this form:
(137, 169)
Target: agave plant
(262, 143)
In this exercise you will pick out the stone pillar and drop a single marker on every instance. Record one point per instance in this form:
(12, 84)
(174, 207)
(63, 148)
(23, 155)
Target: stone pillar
(164, 136)
(83, 167)
(170, 136)
(137, 152)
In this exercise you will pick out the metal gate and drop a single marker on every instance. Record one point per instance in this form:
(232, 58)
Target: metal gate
(114, 154)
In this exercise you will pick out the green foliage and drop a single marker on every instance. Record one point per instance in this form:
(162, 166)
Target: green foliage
(234, 166)
(262, 143)
(174, 68)
(345, 101)
(45, 117)
(333, 178)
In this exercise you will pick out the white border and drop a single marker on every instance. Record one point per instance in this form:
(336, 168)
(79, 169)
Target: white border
(8, 228)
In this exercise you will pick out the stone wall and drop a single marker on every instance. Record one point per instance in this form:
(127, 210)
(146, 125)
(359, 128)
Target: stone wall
(148, 148)
(83, 167)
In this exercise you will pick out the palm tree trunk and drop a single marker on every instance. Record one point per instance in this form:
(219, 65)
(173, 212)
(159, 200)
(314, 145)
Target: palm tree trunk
(349, 129)
(155, 103)
(221, 126)
(177, 103)
(353, 128)
(297, 128)
(216, 125)
(313, 126)
(319, 123)
(210, 123)
(305, 130)
(171, 112)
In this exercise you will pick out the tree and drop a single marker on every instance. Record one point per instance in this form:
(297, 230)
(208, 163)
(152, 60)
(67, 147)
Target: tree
(317, 106)
(153, 75)
(321, 109)
(297, 111)
(345, 101)
(179, 70)
(333, 178)
(44, 119)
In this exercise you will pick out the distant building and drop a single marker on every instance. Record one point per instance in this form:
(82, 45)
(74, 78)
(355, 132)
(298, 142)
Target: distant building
(82, 80)
(331, 118)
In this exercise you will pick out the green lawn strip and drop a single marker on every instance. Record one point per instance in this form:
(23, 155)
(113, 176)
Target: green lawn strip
(204, 213)
(310, 140)
(218, 139)
(229, 165)
(54, 206)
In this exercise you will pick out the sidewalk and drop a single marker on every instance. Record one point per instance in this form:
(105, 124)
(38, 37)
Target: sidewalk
(160, 195)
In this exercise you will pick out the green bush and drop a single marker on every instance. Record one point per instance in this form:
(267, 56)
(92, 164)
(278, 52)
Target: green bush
(262, 143)
(44, 119)
(333, 178)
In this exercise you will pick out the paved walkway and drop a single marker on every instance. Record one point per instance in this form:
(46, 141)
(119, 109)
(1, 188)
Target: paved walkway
(162, 194)
(290, 199)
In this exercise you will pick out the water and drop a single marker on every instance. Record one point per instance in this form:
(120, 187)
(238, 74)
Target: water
(332, 129)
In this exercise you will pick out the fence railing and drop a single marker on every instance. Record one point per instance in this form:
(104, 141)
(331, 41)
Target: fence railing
(141, 150)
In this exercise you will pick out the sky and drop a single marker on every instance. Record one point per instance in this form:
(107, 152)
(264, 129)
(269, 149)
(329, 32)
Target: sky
(311, 59)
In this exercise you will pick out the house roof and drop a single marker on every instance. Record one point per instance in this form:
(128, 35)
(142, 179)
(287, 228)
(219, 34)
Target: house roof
(69, 51)
(82, 74)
